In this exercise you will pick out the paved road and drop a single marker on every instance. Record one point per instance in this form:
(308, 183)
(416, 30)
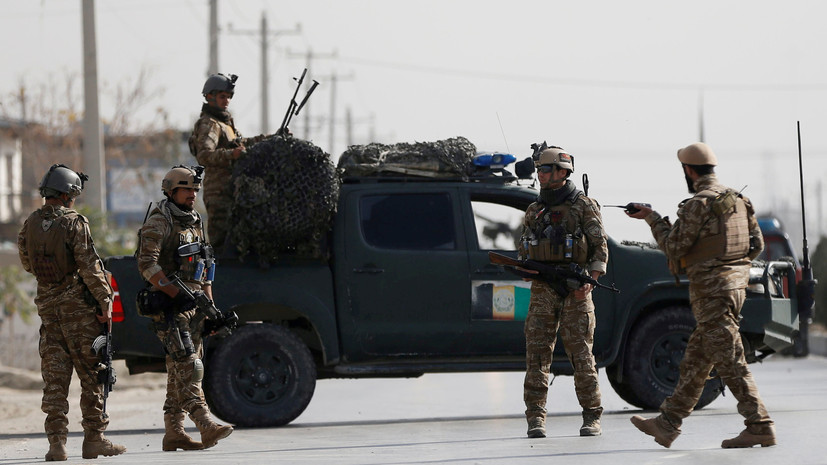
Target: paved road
(472, 419)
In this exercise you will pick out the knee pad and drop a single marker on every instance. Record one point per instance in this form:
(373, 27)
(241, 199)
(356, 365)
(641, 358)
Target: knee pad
(197, 370)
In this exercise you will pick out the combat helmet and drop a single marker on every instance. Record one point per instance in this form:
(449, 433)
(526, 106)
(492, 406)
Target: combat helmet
(556, 156)
(182, 176)
(697, 154)
(219, 83)
(62, 180)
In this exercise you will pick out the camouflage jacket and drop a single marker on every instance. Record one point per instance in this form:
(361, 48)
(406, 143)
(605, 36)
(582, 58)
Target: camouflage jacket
(160, 237)
(695, 221)
(584, 214)
(61, 236)
(212, 143)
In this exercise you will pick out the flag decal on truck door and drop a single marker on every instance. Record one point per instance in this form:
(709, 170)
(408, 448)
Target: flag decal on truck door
(500, 300)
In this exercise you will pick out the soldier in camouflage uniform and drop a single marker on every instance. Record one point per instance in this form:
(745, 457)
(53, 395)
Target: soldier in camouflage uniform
(713, 241)
(171, 224)
(56, 246)
(216, 144)
(562, 226)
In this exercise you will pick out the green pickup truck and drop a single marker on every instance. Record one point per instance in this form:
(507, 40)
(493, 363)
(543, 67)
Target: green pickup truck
(409, 289)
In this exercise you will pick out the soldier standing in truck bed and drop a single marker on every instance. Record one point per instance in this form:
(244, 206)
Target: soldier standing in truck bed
(216, 144)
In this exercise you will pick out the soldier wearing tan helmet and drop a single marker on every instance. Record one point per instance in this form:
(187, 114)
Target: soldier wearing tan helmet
(713, 242)
(174, 223)
(73, 300)
(216, 144)
(563, 226)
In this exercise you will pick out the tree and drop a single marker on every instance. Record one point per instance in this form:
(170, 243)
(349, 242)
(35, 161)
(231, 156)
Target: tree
(17, 289)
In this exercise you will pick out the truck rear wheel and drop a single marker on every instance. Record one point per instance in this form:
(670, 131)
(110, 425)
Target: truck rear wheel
(651, 363)
(262, 375)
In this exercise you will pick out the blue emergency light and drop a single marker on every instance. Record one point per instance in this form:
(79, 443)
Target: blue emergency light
(494, 160)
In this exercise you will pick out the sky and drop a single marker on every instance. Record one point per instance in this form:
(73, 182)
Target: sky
(621, 85)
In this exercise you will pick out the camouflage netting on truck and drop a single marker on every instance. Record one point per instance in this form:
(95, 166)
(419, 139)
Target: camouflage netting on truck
(286, 192)
(443, 158)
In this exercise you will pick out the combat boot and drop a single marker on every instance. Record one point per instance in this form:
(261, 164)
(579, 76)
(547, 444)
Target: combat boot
(591, 422)
(211, 432)
(658, 428)
(57, 449)
(765, 437)
(95, 444)
(174, 435)
(536, 427)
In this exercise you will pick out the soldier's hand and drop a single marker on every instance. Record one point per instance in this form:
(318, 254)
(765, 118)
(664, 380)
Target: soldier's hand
(583, 291)
(106, 311)
(642, 212)
(238, 151)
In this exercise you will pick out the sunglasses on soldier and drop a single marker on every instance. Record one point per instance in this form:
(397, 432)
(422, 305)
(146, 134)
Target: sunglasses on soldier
(545, 168)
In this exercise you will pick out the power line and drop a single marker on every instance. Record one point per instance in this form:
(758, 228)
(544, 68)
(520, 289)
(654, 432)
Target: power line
(582, 82)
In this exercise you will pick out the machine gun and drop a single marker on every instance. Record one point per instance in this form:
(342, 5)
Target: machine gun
(102, 346)
(293, 108)
(562, 278)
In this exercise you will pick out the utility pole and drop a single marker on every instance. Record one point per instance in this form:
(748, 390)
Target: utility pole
(309, 57)
(212, 68)
(264, 35)
(701, 116)
(334, 79)
(93, 155)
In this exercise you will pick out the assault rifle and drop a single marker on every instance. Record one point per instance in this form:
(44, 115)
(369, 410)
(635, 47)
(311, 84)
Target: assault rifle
(562, 278)
(293, 108)
(102, 346)
(222, 323)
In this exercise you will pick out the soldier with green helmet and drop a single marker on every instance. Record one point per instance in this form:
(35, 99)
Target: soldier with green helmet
(713, 241)
(216, 144)
(563, 226)
(174, 223)
(74, 300)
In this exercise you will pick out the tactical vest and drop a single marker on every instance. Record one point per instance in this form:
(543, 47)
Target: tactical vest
(729, 238)
(179, 235)
(50, 255)
(225, 138)
(556, 241)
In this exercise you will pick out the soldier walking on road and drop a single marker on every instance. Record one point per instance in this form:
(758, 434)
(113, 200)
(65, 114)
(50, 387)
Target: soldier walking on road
(713, 241)
(216, 144)
(171, 224)
(74, 301)
(563, 226)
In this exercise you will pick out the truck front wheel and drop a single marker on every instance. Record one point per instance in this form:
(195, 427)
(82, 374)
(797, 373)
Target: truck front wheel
(651, 363)
(261, 375)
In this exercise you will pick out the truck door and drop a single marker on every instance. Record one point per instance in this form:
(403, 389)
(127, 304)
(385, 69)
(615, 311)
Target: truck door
(405, 271)
(499, 299)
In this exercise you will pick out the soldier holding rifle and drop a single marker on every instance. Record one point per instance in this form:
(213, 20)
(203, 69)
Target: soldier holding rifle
(562, 227)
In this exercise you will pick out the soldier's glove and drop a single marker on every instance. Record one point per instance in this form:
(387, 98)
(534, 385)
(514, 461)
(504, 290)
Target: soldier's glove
(183, 302)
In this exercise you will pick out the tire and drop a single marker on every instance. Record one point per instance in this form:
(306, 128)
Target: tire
(262, 375)
(651, 364)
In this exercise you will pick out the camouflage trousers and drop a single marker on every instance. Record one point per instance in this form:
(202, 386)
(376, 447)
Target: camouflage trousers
(574, 319)
(68, 328)
(183, 393)
(219, 205)
(716, 343)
